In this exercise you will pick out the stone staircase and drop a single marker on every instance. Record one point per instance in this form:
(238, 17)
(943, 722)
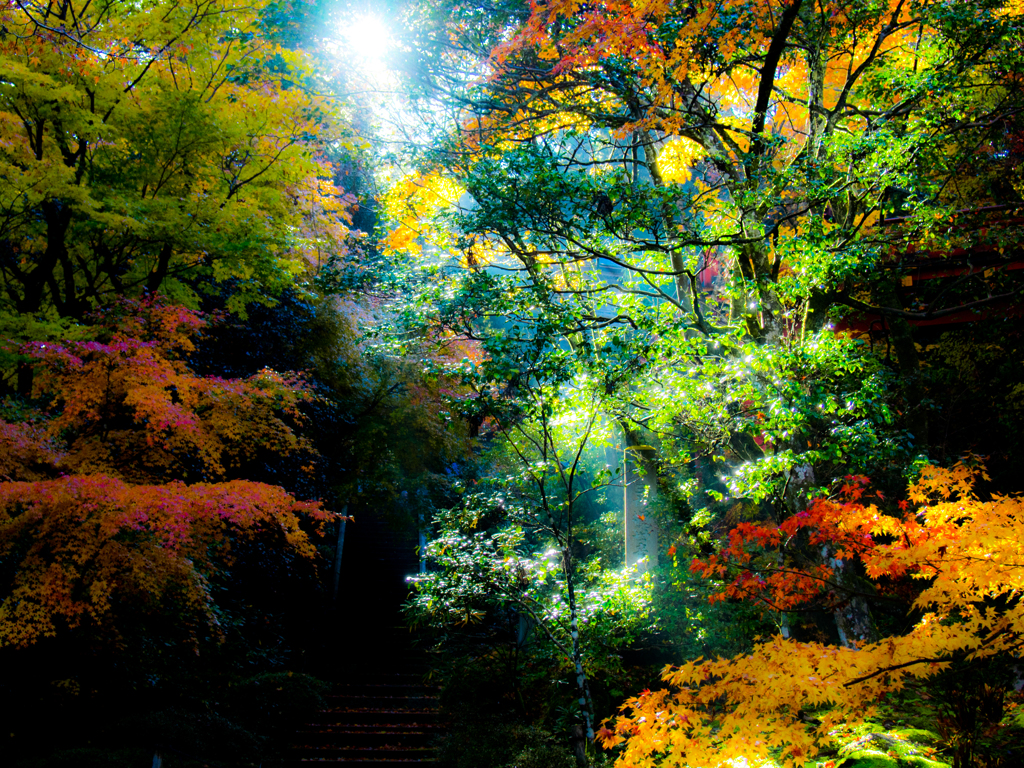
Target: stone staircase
(382, 713)
(381, 721)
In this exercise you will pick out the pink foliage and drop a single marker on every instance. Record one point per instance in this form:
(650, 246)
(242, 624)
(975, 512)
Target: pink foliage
(92, 546)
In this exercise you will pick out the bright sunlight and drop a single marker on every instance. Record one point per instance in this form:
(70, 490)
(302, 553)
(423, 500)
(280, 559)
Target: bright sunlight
(368, 38)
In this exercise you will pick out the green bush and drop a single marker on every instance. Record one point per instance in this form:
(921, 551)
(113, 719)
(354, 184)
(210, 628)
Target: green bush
(543, 756)
(271, 701)
(493, 741)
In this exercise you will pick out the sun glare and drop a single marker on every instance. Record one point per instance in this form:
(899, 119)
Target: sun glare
(368, 38)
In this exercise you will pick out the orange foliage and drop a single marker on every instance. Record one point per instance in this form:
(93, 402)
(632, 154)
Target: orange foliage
(86, 551)
(26, 452)
(117, 542)
(134, 409)
(326, 219)
(966, 554)
(709, 49)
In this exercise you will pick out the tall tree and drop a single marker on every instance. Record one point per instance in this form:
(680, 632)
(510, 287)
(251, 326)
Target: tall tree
(156, 146)
(126, 502)
(516, 544)
(703, 184)
(695, 192)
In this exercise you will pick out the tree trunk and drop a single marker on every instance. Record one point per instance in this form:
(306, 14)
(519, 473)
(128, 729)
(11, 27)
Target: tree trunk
(583, 688)
(640, 481)
(854, 622)
(909, 362)
(339, 547)
(579, 746)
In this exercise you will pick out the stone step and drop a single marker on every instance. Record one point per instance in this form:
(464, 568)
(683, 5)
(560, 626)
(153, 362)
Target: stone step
(415, 675)
(351, 762)
(369, 736)
(380, 701)
(382, 711)
(368, 762)
(383, 716)
(409, 687)
(363, 753)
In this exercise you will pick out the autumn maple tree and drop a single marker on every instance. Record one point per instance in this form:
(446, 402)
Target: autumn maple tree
(157, 158)
(129, 404)
(964, 552)
(165, 146)
(679, 266)
(125, 501)
(733, 175)
(95, 553)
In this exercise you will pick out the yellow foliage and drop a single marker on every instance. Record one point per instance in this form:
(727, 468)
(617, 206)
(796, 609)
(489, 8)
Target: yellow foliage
(411, 204)
(1012, 8)
(172, 137)
(677, 158)
(969, 553)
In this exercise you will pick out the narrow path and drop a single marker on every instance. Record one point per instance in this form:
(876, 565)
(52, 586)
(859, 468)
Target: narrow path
(387, 719)
(381, 713)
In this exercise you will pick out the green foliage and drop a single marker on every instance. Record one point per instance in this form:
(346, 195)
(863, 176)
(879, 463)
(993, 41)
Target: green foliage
(968, 715)
(689, 625)
(513, 560)
(271, 704)
(211, 170)
(475, 741)
(660, 213)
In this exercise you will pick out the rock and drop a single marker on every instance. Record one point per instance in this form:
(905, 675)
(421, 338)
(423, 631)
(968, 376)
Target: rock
(884, 750)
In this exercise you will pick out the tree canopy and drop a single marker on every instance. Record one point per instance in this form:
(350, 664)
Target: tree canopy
(160, 146)
(753, 231)
(682, 330)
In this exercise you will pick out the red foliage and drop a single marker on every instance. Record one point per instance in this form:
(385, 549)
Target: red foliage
(116, 542)
(130, 406)
(90, 551)
(838, 525)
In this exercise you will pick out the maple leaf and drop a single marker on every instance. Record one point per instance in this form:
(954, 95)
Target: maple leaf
(967, 549)
(94, 552)
(177, 418)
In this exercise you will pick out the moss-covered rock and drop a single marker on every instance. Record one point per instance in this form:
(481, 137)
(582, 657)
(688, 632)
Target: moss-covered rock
(885, 750)
(919, 736)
